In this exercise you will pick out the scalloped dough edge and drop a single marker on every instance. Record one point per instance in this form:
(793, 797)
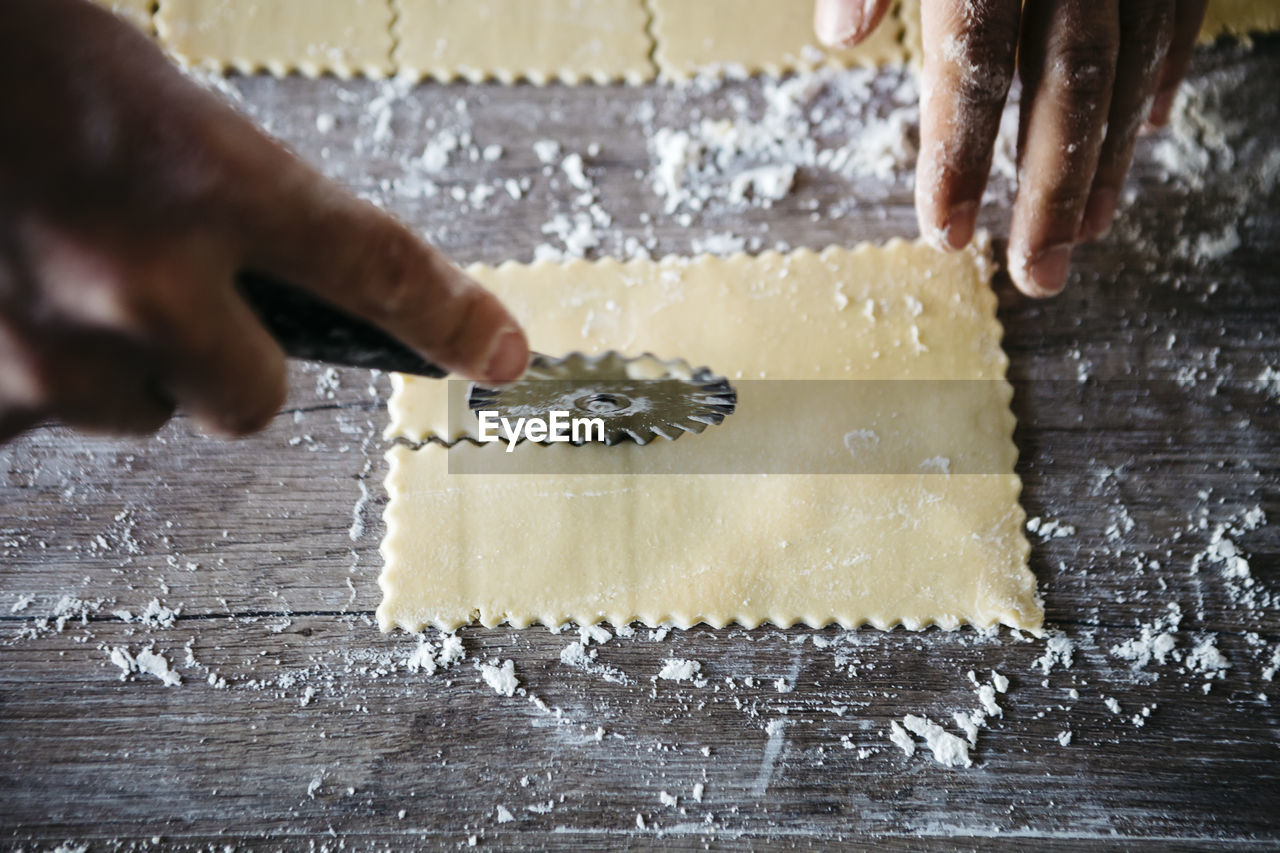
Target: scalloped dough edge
(570, 76)
(387, 621)
(534, 77)
(276, 67)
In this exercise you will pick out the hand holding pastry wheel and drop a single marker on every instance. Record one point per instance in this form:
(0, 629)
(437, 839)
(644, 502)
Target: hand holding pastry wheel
(638, 398)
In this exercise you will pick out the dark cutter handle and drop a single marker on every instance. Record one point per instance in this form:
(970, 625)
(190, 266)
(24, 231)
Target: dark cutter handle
(311, 329)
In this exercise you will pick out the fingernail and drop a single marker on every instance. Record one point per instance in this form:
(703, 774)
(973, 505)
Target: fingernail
(1099, 212)
(1161, 107)
(837, 22)
(508, 359)
(1047, 274)
(960, 224)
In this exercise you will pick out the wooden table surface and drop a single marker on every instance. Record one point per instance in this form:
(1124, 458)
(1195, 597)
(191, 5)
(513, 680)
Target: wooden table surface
(1143, 425)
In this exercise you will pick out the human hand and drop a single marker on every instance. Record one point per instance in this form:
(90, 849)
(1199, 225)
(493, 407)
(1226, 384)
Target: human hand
(1092, 72)
(130, 198)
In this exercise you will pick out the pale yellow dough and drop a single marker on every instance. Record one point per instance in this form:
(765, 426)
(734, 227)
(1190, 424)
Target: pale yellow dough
(535, 40)
(886, 549)
(341, 37)
(544, 40)
(774, 36)
(1239, 18)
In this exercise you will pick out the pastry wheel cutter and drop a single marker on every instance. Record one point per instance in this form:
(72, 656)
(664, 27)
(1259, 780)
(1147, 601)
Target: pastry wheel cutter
(638, 398)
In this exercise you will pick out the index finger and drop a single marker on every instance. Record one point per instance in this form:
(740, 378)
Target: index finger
(1068, 64)
(302, 228)
(969, 54)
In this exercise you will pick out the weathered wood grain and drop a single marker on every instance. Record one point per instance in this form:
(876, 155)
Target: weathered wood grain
(272, 555)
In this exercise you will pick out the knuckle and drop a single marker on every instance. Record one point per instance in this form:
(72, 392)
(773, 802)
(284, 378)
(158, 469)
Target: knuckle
(1084, 71)
(1062, 203)
(456, 328)
(396, 288)
(982, 86)
(977, 58)
(155, 305)
(990, 21)
(953, 166)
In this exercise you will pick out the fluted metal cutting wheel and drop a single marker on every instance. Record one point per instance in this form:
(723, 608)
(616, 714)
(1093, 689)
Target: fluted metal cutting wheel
(637, 398)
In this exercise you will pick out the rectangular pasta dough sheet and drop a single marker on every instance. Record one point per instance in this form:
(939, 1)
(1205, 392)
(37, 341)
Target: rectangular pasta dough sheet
(774, 36)
(535, 40)
(341, 37)
(885, 549)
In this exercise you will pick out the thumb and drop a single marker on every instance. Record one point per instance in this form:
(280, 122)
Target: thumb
(844, 23)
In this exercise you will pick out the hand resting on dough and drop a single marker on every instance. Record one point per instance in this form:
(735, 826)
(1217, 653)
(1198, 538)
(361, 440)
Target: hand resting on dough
(1092, 71)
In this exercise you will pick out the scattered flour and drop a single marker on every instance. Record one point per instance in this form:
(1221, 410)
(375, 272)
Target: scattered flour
(546, 150)
(1205, 659)
(936, 465)
(577, 655)
(1156, 640)
(1050, 529)
(158, 616)
(762, 185)
(356, 531)
(422, 659)
(898, 737)
(146, 662)
(948, 750)
(501, 678)
(1059, 650)
(451, 651)
(754, 157)
(678, 669)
